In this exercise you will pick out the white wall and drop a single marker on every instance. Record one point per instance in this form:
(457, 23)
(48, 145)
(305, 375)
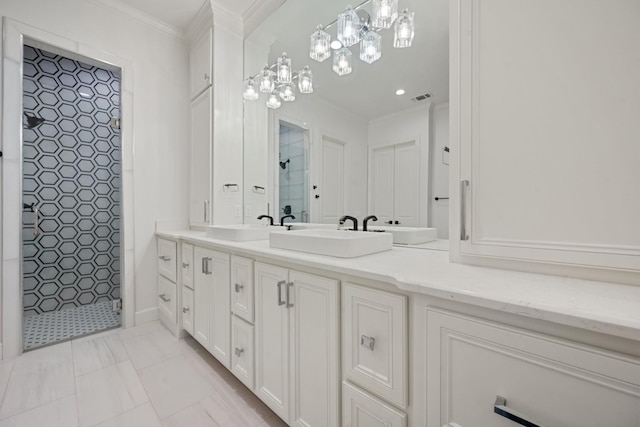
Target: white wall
(160, 113)
(407, 125)
(439, 171)
(322, 118)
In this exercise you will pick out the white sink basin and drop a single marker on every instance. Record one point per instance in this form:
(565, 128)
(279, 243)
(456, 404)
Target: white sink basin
(409, 235)
(343, 244)
(240, 232)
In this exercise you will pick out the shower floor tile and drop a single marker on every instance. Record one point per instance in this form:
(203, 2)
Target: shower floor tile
(56, 326)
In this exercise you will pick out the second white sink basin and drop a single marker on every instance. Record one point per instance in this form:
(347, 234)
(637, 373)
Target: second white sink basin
(239, 232)
(409, 235)
(338, 243)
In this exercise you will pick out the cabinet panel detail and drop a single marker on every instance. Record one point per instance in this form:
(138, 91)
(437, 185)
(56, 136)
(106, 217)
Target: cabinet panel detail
(360, 409)
(167, 258)
(375, 341)
(187, 265)
(187, 310)
(242, 288)
(242, 351)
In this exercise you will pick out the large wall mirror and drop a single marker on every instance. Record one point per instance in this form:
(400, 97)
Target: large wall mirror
(353, 146)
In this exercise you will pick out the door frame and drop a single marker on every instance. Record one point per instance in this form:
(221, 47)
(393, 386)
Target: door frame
(15, 34)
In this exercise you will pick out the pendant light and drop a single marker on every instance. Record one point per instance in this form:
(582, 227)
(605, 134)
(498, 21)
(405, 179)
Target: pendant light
(273, 102)
(320, 46)
(305, 80)
(284, 69)
(251, 90)
(342, 61)
(348, 27)
(404, 30)
(384, 12)
(267, 80)
(287, 92)
(371, 47)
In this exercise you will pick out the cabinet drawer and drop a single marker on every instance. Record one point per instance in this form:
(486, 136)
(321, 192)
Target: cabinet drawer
(242, 351)
(360, 409)
(552, 382)
(167, 299)
(167, 254)
(374, 341)
(187, 265)
(187, 309)
(242, 288)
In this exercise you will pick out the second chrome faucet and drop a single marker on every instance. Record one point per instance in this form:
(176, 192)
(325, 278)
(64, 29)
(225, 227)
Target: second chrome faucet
(355, 221)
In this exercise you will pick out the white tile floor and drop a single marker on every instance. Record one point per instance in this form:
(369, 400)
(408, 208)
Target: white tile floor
(137, 377)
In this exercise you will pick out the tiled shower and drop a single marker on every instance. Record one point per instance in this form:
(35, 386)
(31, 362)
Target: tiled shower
(293, 172)
(71, 198)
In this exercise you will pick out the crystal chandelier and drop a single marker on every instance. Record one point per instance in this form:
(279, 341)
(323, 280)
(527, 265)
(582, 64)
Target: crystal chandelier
(354, 26)
(279, 81)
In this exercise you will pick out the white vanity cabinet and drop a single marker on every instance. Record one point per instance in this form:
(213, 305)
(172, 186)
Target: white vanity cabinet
(374, 341)
(168, 283)
(200, 63)
(212, 314)
(539, 180)
(297, 345)
(471, 363)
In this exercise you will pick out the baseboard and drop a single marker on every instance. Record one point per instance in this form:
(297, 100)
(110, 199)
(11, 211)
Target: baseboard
(146, 316)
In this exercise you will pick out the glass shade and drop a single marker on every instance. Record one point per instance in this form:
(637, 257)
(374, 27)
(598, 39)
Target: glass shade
(371, 47)
(342, 61)
(287, 92)
(267, 80)
(284, 69)
(305, 80)
(250, 92)
(348, 27)
(319, 49)
(404, 29)
(384, 13)
(273, 102)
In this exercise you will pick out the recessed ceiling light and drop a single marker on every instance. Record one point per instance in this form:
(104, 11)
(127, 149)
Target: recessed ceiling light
(400, 92)
(335, 45)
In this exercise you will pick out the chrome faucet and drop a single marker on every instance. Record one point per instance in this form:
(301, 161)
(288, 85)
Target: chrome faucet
(366, 220)
(354, 220)
(285, 217)
(267, 216)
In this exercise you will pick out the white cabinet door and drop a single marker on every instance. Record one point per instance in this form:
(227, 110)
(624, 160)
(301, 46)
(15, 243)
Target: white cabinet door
(374, 342)
(553, 176)
(549, 381)
(220, 313)
(167, 258)
(242, 351)
(202, 291)
(242, 287)
(187, 309)
(200, 64)
(313, 303)
(187, 265)
(201, 157)
(272, 338)
(360, 409)
(395, 183)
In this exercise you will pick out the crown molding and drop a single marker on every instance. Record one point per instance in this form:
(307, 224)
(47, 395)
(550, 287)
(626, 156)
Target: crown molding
(223, 17)
(201, 23)
(258, 12)
(144, 18)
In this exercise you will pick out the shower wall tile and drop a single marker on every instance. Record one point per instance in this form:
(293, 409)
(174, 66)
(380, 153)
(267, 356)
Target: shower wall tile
(71, 171)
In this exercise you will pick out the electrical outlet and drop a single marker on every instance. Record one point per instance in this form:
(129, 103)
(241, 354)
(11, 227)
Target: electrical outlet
(116, 304)
(238, 211)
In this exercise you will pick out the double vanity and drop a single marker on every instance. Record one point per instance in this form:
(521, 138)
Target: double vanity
(400, 337)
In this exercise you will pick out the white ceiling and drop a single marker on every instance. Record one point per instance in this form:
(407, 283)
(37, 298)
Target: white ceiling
(369, 91)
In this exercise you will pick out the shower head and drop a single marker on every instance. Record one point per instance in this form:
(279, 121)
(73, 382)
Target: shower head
(33, 121)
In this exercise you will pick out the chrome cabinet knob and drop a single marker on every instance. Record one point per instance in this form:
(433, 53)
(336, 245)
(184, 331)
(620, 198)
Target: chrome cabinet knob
(239, 351)
(185, 309)
(367, 342)
(185, 265)
(239, 287)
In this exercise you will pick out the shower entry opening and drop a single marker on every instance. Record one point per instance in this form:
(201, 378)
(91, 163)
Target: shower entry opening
(71, 194)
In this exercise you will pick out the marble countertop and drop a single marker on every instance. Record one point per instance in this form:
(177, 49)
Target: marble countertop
(609, 308)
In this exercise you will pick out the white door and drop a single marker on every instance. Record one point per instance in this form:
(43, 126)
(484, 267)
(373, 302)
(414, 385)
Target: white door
(200, 167)
(382, 184)
(220, 314)
(333, 181)
(406, 185)
(313, 302)
(202, 295)
(272, 338)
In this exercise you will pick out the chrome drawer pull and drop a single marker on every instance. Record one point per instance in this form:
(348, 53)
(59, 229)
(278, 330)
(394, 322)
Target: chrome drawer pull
(500, 408)
(185, 309)
(280, 283)
(239, 287)
(367, 342)
(185, 265)
(164, 258)
(289, 286)
(239, 351)
(164, 298)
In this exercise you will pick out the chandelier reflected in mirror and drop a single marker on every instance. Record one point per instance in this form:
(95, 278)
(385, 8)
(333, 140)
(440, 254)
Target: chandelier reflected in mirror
(353, 26)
